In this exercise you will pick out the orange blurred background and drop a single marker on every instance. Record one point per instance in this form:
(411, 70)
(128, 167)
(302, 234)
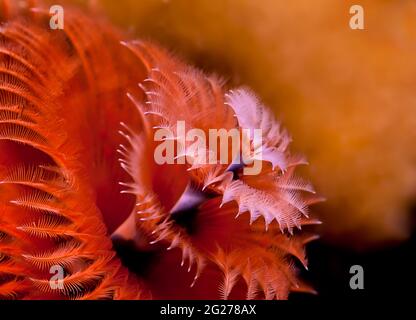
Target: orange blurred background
(347, 96)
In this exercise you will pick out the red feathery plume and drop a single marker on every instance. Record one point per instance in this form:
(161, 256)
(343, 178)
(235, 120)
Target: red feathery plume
(80, 189)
